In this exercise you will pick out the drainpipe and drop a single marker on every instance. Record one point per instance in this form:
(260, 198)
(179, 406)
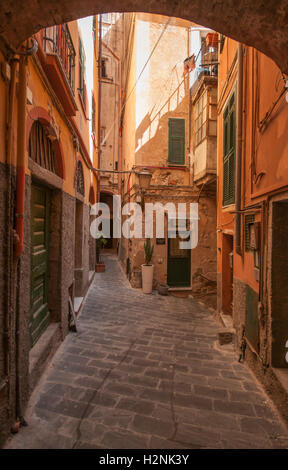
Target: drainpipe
(239, 152)
(20, 198)
(10, 271)
(99, 104)
(120, 130)
(21, 143)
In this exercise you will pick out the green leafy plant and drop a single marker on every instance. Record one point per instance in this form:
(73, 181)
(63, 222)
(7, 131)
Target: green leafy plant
(148, 250)
(100, 243)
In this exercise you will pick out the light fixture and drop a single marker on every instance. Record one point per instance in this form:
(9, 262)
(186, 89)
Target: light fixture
(144, 178)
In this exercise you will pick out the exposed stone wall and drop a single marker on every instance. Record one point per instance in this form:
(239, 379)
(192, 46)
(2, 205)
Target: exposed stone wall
(4, 387)
(239, 307)
(86, 229)
(203, 257)
(67, 256)
(55, 256)
(92, 250)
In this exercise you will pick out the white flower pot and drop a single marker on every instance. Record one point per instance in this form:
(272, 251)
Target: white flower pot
(147, 278)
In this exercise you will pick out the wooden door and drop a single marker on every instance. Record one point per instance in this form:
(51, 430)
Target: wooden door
(179, 264)
(39, 312)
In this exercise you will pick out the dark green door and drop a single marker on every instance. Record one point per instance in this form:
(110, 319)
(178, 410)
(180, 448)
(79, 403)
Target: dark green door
(39, 313)
(178, 274)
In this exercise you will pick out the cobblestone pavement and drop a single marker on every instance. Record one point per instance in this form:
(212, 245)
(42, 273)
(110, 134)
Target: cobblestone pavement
(144, 371)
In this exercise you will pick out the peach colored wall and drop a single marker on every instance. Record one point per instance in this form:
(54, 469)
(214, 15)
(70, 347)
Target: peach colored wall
(264, 157)
(42, 97)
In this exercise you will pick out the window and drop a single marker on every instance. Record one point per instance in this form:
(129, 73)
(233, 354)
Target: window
(106, 68)
(116, 166)
(82, 72)
(103, 68)
(205, 110)
(229, 138)
(93, 115)
(200, 119)
(176, 152)
(248, 220)
(41, 148)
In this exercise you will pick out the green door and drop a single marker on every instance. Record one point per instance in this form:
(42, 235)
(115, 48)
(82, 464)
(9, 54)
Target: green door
(178, 272)
(39, 313)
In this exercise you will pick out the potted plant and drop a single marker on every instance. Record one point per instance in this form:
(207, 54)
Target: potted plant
(147, 268)
(100, 243)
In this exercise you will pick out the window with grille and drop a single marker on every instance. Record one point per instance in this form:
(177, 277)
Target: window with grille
(176, 152)
(229, 143)
(248, 219)
(41, 148)
(82, 73)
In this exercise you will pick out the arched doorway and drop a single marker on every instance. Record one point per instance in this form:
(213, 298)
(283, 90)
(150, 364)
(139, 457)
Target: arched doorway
(44, 215)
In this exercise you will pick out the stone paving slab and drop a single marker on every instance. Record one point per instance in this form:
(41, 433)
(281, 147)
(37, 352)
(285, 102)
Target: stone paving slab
(145, 371)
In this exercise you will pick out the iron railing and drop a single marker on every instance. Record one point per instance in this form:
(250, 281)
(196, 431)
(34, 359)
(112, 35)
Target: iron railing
(57, 40)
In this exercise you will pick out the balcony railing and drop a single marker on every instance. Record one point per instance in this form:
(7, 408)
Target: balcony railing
(57, 40)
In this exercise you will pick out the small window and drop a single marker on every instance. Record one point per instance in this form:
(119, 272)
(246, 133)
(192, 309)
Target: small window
(249, 219)
(103, 68)
(106, 68)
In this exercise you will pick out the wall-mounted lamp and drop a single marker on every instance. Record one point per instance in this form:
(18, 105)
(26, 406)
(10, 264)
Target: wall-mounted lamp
(144, 178)
(144, 182)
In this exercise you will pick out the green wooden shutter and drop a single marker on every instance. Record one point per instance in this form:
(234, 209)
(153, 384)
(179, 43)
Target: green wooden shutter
(176, 153)
(229, 144)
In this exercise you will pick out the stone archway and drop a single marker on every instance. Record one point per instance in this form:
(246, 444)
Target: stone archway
(257, 23)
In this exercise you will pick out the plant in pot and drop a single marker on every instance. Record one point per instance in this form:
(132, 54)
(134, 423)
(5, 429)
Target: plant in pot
(100, 243)
(147, 268)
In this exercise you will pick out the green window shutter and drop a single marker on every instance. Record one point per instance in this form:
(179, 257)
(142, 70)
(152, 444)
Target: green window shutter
(176, 153)
(229, 144)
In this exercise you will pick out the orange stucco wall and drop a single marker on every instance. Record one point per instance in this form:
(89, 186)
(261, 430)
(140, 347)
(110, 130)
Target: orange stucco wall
(264, 148)
(41, 95)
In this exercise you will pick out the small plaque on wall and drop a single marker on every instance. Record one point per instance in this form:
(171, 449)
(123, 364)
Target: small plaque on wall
(160, 241)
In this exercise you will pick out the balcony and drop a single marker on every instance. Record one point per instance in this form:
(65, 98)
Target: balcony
(204, 103)
(60, 65)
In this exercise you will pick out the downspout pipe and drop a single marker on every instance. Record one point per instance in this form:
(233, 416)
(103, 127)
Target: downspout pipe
(20, 206)
(99, 104)
(120, 129)
(238, 163)
(21, 142)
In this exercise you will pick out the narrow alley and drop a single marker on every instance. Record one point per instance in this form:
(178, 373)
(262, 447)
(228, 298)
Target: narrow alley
(146, 372)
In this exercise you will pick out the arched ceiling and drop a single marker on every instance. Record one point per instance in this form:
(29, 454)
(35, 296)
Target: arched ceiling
(259, 23)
